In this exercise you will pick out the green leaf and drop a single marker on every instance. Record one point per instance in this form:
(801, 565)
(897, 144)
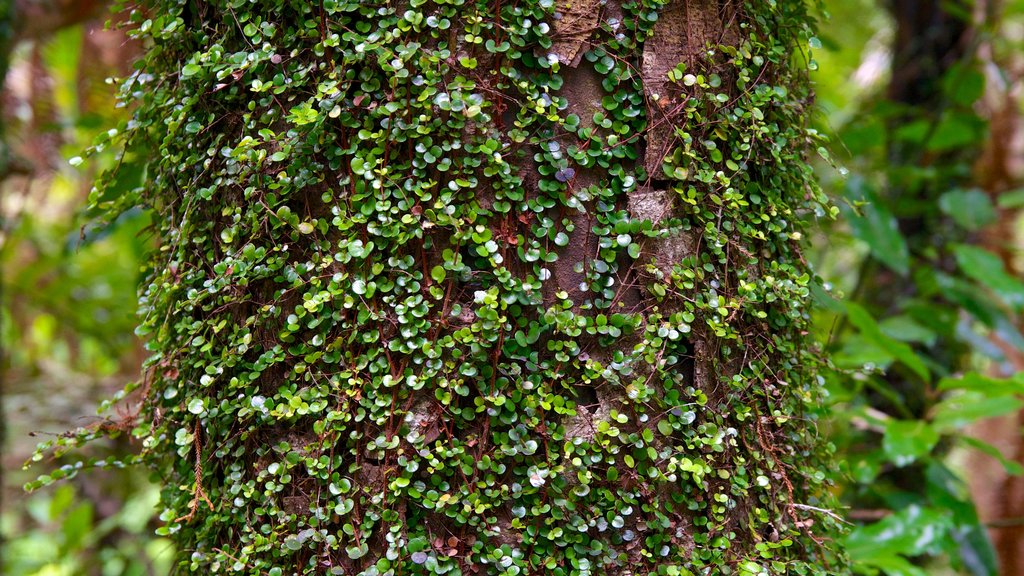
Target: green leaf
(986, 384)
(77, 525)
(358, 165)
(870, 331)
(1011, 198)
(963, 85)
(665, 427)
(956, 130)
(987, 269)
(909, 532)
(948, 493)
(906, 329)
(890, 566)
(959, 410)
(1012, 467)
(438, 274)
(908, 440)
(356, 552)
(971, 209)
(196, 406)
(876, 226)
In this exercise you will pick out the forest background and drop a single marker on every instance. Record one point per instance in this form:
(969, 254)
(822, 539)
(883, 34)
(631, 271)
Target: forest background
(919, 307)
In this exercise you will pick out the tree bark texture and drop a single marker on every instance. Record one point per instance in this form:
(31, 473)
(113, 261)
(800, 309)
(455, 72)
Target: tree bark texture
(39, 18)
(495, 287)
(1000, 495)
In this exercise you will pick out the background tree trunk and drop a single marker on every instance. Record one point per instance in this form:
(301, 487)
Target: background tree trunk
(40, 18)
(501, 288)
(999, 170)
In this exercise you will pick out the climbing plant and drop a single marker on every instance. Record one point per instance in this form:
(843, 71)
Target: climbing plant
(476, 287)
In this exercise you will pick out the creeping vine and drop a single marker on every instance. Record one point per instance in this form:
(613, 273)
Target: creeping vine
(470, 286)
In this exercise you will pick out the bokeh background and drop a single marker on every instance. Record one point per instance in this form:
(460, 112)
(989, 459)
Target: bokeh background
(67, 312)
(930, 474)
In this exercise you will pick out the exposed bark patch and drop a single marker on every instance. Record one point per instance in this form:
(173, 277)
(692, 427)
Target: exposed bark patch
(584, 424)
(582, 89)
(702, 23)
(422, 419)
(704, 374)
(656, 206)
(297, 504)
(575, 22)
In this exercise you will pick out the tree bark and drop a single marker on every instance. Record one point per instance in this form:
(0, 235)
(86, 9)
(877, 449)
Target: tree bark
(1000, 495)
(502, 288)
(35, 19)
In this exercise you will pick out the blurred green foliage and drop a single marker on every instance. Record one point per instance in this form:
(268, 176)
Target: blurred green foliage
(60, 533)
(67, 317)
(916, 302)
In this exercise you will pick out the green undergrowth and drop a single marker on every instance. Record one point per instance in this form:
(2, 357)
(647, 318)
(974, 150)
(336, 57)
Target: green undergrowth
(365, 359)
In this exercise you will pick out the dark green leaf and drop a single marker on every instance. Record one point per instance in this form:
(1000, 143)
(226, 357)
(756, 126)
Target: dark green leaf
(875, 225)
(870, 331)
(971, 209)
(987, 269)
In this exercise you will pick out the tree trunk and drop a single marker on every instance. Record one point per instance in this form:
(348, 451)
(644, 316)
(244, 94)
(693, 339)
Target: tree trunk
(40, 18)
(999, 169)
(497, 288)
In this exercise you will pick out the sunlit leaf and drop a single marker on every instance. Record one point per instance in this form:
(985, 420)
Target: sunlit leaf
(906, 441)
(960, 410)
(909, 532)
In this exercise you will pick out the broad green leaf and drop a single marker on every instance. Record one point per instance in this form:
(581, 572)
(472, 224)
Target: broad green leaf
(1011, 198)
(987, 269)
(968, 538)
(864, 470)
(908, 440)
(77, 525)
(906, 329)
(862, 136)
(909, 532)
(959, 410)
(986, 384)
(964, 86)
(876, 226)
(870, 331)
(891, 566)
(956, 130)
(858, 352)
(971, 209)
